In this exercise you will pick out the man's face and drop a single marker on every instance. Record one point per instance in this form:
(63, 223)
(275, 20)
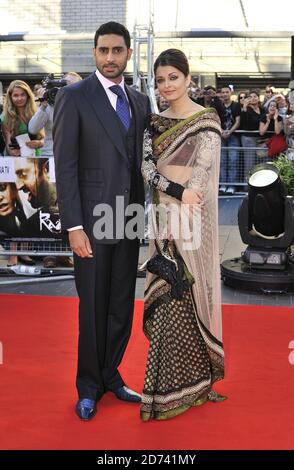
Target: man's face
(7, 198)
(226, 94)
(208, 95)
(31, 181)
(163, 104)
(111, 56)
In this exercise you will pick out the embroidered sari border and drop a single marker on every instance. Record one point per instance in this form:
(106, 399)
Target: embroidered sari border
(182, 123)
(173, 396)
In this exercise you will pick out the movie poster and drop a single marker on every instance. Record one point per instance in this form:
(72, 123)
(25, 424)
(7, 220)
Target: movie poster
(28, 202)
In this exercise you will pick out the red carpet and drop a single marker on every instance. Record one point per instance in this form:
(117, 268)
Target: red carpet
(37, 393)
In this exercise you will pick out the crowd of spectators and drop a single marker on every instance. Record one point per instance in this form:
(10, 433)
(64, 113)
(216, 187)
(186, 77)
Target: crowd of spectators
(248, 119)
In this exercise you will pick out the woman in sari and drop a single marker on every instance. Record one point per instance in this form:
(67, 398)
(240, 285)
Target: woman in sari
(182, 315)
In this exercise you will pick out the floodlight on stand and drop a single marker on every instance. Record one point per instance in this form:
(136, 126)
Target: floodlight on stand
(266, 214)
(266, 193)
(266, 224)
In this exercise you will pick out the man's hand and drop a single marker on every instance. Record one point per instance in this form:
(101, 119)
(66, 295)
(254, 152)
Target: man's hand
(80, 243)
(225, 134)
(40, 94)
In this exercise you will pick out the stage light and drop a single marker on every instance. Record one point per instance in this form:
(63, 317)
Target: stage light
(266, 200)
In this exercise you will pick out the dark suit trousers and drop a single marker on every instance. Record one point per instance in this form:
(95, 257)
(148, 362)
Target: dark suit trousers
(106, 288)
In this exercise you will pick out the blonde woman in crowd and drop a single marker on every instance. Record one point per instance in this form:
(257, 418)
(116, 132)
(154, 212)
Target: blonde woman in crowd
(19, 107)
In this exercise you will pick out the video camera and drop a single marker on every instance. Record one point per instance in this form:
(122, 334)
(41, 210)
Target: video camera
(51, 86)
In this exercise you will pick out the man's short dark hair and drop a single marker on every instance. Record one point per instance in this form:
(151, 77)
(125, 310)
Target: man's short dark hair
(113, 28)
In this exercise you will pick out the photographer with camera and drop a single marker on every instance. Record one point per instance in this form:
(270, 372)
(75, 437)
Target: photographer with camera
(209, 99)
(44, 115)
(44, 119)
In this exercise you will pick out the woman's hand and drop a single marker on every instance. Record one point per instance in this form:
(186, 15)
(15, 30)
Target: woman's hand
(33, 144)
(246, 103)
(191, 196)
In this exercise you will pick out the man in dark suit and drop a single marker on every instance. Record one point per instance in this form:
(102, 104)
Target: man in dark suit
(98, 133)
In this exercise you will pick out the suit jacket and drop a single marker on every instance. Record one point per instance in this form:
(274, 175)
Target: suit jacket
(91, 161)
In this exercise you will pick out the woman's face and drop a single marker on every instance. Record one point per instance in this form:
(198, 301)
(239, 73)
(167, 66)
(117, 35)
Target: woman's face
(272, 107)
(7, 198)
(171, 82)
(242, 98)
(19, 97)
(253, 98)
(268, 94)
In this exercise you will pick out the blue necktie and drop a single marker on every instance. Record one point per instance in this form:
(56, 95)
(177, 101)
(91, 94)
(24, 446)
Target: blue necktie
(122, 105)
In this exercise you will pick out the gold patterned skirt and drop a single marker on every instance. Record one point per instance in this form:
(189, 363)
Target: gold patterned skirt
(179, 373)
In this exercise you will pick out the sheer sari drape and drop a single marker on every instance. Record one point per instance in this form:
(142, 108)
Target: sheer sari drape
(186, 153)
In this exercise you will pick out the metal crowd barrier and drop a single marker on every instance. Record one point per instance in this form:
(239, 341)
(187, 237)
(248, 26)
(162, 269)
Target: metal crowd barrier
(237, 160)
(23, 274)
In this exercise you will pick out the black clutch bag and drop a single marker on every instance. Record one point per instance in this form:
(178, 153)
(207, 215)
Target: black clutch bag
(169, 271)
